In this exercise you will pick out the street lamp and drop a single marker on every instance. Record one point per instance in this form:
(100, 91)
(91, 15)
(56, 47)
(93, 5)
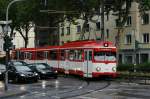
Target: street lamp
(6, 39)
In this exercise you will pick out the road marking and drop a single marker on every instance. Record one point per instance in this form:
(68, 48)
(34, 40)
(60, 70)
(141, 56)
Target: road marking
(87, 97)
(55, 97)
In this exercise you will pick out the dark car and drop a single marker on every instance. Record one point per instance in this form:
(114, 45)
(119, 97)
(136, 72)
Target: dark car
(44, 70)
(22, 73)
(2, 71)
(16, 62)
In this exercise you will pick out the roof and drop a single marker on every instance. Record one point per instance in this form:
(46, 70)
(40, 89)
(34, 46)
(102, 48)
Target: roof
(74, 44)
(88, 44)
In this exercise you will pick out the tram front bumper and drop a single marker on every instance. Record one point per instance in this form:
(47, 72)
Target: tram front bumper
(106, 74)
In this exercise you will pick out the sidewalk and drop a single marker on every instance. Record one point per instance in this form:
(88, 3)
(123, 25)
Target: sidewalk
(12, 91)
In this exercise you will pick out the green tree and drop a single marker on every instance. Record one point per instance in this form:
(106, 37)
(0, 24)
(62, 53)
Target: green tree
(26, 12)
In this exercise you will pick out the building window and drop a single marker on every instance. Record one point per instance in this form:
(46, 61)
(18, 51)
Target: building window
(144, 58)
(128, 39)
(146, 38)
(62, 31)
(120, 59)
(78, 28)
(128, 59)
(68, 30)
(107, 31)
(87, 28)
(145, 19)
(129, 21)
(98, 26)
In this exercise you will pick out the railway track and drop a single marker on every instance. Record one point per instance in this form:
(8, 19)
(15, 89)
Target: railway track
(90, 88)
(64, 90)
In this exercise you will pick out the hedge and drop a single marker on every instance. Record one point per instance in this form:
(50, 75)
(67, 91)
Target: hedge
(130, 67)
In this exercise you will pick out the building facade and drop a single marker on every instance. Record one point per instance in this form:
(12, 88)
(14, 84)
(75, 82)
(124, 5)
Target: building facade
(18, 40)
(134, 39)
(72, 32)
(134, 44)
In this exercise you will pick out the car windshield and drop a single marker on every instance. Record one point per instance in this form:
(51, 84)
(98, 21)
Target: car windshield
(42, 66)
(18, 63)
(2, 67)
(23, 68)
(104, 56)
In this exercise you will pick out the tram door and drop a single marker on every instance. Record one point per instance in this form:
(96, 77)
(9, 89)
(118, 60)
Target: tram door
(87, 68)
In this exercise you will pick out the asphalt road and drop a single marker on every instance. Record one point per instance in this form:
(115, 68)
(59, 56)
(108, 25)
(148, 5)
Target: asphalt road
(75, 88)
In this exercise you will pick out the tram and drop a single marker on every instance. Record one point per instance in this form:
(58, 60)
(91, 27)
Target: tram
(88, 59)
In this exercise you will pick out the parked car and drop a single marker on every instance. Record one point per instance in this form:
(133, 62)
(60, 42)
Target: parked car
(2, 71)
(16, 62)
(44, 70)
(22, 73)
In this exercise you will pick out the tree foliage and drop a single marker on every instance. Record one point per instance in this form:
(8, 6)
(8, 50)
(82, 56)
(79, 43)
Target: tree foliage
(30, 11)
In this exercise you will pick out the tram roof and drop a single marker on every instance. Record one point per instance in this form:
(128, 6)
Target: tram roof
(87, 44)
(73, 44)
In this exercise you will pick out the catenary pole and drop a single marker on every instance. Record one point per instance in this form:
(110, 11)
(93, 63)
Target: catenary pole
(7, 49)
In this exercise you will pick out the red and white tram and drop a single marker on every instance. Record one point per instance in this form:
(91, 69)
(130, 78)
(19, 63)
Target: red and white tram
(85, 58)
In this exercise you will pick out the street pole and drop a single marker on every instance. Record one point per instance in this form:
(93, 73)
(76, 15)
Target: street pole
(7, 49)
(102, 20)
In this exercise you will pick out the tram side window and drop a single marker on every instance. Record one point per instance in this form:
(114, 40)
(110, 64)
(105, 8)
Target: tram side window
(46, 54)
(21, 55)
(71, 55)
(25, 55)
(40, 55)
(29, 55)
(17, 55)
(62, 55)
(53, 55)
(78, 55)
(75, 55)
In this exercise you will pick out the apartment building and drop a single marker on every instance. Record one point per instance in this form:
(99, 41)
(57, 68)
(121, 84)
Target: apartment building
(72, 32)
(134, 39)
(134, 44)
(18, 40)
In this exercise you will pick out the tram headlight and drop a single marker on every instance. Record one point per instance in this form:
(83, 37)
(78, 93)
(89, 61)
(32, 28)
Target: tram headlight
(114, 69)
(98, 68)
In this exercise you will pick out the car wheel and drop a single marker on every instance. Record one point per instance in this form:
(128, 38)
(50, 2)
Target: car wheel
(55, 77)
(35, 80)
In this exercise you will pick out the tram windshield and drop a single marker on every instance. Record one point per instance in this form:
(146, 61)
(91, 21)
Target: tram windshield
(104, 56)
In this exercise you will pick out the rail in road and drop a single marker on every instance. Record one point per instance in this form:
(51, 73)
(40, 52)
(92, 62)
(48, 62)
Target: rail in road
(85, 87)
(63, 88)
(90, 88)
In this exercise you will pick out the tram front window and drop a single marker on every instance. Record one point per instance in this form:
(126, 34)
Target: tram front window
(104, 56)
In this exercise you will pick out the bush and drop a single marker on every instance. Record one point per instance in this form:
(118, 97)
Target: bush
(125, 67)
(130, 67)
(143, 67)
